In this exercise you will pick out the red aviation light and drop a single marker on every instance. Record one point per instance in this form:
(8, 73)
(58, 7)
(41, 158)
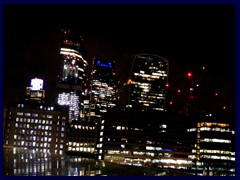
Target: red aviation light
(167, 85)
(189, 74)
(129, 81)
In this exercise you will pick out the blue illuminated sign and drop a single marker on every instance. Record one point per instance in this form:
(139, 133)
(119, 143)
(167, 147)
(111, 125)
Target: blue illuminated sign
(167, 149)
(108, 65)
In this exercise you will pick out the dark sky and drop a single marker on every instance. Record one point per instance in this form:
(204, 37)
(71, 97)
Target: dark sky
(189, 36)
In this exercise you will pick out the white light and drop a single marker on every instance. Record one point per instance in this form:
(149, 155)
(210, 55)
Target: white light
(36, 84)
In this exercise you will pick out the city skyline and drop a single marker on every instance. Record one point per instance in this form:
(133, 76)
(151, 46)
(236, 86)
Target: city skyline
(179, 39)
(175, 61)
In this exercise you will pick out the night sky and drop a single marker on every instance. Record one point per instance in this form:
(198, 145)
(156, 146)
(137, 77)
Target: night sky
(189, 36)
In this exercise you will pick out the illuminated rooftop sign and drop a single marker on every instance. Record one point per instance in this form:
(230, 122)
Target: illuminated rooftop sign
(108, 65)
(36, 84)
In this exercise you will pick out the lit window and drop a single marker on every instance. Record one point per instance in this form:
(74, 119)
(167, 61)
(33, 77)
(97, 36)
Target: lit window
(20, 113)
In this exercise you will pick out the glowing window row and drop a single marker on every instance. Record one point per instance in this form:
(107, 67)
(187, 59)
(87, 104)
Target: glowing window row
(34, 138)
(143, 160)
(215, 140)
(72, 54)
(215, 151)
(32, 132)
(217, 157)
(156, 76)
(209, 124)
(31, 144)
(83, 127)
(211, 129)
(50, 108)
(80, 144)
(38, 121)
(81, 149)
(126, 128)
(31, 126)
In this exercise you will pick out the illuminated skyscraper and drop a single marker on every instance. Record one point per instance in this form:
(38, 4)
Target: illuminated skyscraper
(102, 90)
(147, 85)
(104, 85)
(72, 74)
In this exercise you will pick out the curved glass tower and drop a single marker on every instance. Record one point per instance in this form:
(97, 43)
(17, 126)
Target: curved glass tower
(72, 73)
(148, 83)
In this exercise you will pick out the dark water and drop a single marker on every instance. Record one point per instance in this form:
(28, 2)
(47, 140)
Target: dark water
(23, 162)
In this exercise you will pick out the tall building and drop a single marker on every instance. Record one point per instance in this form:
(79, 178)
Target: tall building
(85, 137)
(102, 90)
(72, 74)
(147, 86)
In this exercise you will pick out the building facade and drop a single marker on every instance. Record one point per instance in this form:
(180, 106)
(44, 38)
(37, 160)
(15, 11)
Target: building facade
(102, 86)
(72, 77)
(147, 139)
(36, 127)
(147, 86)
(213, 153)
(82, 138)
(35, 92)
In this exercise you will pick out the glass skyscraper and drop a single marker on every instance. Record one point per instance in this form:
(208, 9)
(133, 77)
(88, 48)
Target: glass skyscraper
(147, 85)
(103, 85)
(72, 74)
(102, 90)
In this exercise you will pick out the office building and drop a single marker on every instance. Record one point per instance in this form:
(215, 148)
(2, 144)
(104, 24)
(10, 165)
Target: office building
(82, 138)
(34, 125)
(213, 153)
(103, 86)
(146, 87)
(147, 139)
(70, 86)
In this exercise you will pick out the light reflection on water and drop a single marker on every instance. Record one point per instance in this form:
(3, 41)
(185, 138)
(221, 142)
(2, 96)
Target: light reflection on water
(22, 162)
